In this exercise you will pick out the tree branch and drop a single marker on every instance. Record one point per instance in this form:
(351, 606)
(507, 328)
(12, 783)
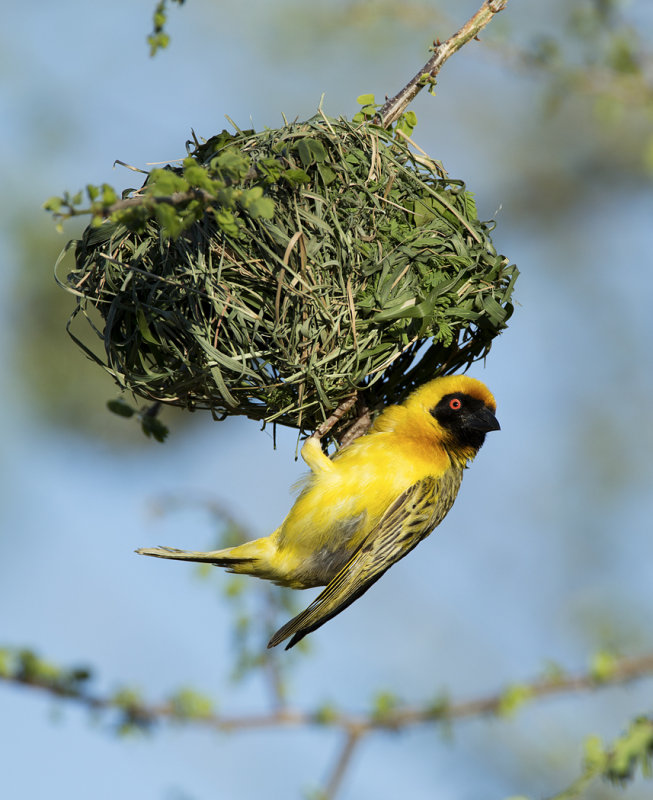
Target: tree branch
(396, 106)
(186, 707)
(344, 760)
(61, 684)
(337, 415)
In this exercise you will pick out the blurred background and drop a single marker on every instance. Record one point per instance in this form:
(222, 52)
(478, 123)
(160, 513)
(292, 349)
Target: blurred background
(547, 553)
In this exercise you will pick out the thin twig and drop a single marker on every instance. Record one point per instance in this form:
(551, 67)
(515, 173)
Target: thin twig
(359, 426)
(343, 761)
(337, 415)
(174, 199)
(396, 106)
(622, 671)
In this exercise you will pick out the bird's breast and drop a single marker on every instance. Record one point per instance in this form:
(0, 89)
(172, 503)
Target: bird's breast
(338, 508)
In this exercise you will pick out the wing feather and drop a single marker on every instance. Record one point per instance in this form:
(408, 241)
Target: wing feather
(402, 527)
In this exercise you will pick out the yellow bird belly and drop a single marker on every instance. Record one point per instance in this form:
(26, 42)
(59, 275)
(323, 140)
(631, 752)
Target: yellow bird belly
(343, 500)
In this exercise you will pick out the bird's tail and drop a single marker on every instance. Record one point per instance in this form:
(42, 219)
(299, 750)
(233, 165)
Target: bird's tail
(251, 558)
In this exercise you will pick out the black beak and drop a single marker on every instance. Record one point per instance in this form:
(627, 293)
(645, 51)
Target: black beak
(482, 421)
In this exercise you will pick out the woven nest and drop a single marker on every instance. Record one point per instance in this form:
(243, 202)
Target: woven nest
(373, 274)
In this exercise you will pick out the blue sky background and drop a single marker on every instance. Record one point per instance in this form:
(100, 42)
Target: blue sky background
(547, 553)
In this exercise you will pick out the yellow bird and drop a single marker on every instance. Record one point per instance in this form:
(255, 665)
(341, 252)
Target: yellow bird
(369, 505)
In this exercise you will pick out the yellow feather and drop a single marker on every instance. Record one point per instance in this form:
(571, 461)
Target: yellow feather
(368, 506)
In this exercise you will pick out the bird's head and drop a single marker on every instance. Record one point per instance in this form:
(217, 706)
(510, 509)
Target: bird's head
(459, 409)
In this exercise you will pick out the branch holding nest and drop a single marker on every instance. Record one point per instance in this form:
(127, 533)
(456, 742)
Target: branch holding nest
(395, 106)
(337, 415)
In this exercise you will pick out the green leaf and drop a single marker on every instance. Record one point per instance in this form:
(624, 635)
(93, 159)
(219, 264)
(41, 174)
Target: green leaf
(310, 151)
(120, 408)
(365, 99)
(424, 210)
(513, 698)
(53, 204)
(406, 123)
(295, 177)
(304, 152)
(470, 205)
(262, 207)
(318, 150)
(5, 662)
(109, 195)
(196, 175)
(231, 163)
(163, 182)
(594, 755)
(227, 223)
(325, 714)
(269, 169)
(144, 328)
(602, 666)
(250, 195)
(169, 219)
(634, 748)
(157, 41)
(327, 174)
(623, 57)
(384, 703)
(126, 698)
(495, 311)
(439, 707)
(155, 428)
(403, 307)
(189, 704)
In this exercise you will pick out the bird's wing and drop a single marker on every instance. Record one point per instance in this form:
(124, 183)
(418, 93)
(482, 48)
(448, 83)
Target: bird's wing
(405, 523)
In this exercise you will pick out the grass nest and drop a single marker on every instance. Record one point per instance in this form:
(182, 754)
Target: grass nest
(276, 273)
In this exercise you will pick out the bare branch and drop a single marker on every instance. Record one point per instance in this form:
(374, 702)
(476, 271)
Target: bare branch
(621, 671)
(344, 760)
(396, 106)
(337, 415)
(359, 426)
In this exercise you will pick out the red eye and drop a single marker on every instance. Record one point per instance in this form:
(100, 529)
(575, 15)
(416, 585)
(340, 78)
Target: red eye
(455, 404)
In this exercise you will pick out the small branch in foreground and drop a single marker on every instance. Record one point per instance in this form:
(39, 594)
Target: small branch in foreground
(396, 105)
(139, 200)
(66, 686)
(128, 711)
